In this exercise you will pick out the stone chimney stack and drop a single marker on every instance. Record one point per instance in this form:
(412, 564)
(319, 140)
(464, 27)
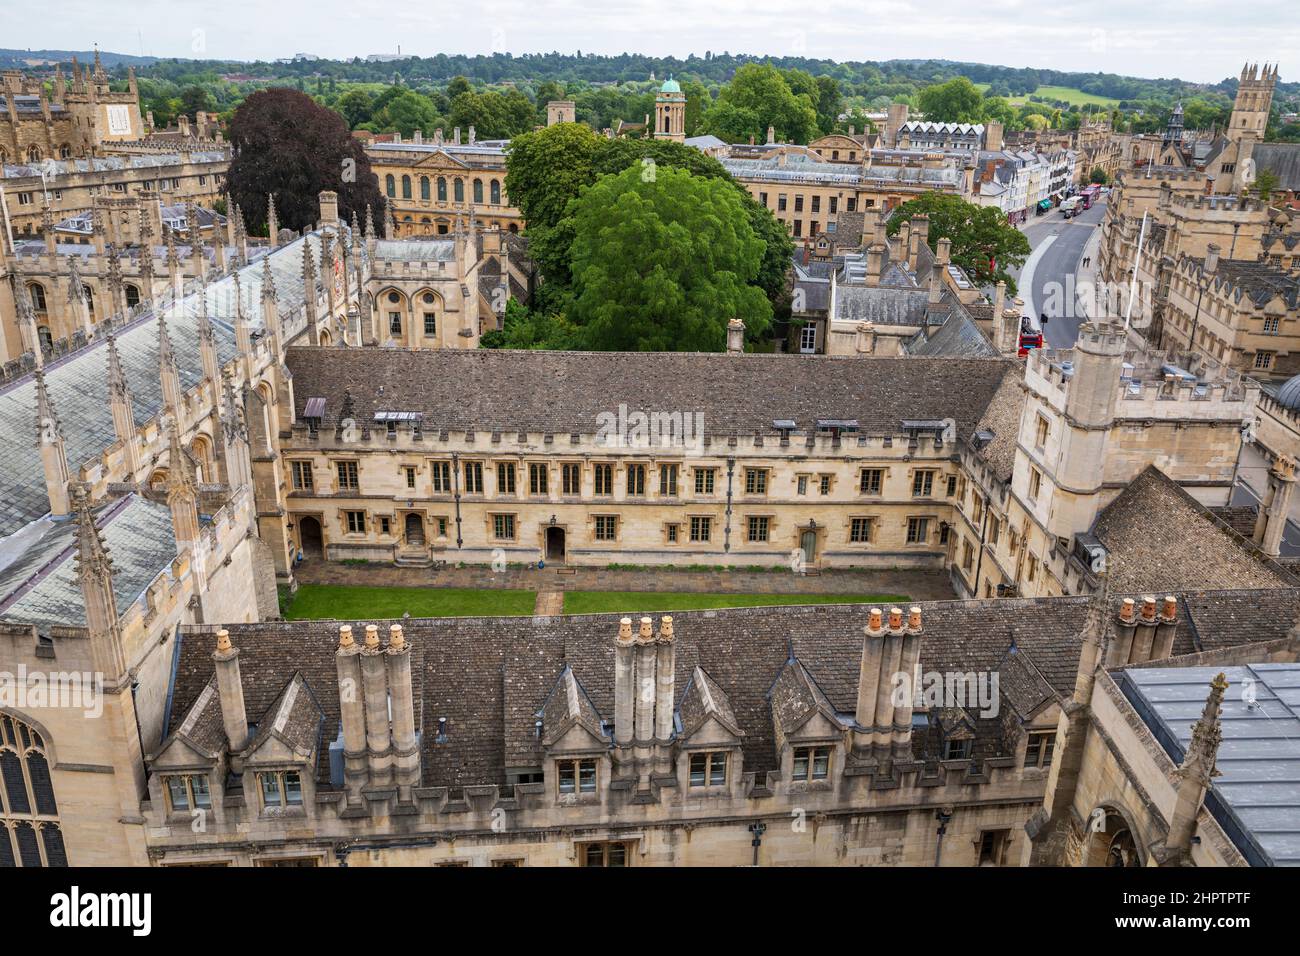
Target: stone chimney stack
(771, 135)
(406, 749)
(374, 682)
(1194, 776)
(891, 652)
(624, 684)
(646, 682)
(665, 669)
(329, 208)
(455, 136)
(735, 337)
(352, 714)
(1212, 251)
(1143, 632)
(231, 689)
(1273, 515)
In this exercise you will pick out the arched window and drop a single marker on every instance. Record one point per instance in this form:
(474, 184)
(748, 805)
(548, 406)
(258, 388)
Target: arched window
(47, 339)
(460, 189)
(424, 188)
(442, 189)
(406, 187)
(390, 186)
(478, 191)
(495, 192)
(36, 292)
(33, 154)
(65, 151)
(29, 816)
(132, 296)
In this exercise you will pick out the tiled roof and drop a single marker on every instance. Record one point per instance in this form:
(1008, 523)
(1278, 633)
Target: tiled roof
(958, 337)
(1159, 538)
(491, 677)
(563, 392)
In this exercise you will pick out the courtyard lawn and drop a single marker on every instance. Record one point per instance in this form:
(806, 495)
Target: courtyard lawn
(353, 603)
(595, 602)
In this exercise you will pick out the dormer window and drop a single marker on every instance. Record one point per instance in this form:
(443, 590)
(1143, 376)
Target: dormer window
(957, 749)
(811, 763)
(280, 788)
(708, 769)
(186, 792)
(576, 776)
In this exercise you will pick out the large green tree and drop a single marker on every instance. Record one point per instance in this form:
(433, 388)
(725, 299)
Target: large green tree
(662, 260)
(983, 242)
(957, 101)
(759, 96)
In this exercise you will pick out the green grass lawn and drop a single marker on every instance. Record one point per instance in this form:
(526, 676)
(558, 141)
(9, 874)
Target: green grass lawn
(316, 601)
(593, 602)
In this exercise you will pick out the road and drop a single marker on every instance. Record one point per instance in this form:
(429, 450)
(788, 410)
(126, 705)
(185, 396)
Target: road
(1046, 290)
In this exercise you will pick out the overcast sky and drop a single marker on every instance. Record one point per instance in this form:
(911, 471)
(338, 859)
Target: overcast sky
(1192, 39)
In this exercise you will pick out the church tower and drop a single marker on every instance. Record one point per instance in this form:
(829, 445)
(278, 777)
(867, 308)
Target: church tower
(670, 112)
(1251, 107)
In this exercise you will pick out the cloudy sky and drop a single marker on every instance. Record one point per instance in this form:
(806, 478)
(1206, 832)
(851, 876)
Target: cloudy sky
(1192, 39)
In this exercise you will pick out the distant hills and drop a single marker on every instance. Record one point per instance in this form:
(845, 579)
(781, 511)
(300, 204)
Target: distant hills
(24, 59)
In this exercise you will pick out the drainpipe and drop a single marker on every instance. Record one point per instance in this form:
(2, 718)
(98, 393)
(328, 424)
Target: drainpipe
(455, 488)
(979, 562)
(726, 534)
(943, 816)
(758, 829)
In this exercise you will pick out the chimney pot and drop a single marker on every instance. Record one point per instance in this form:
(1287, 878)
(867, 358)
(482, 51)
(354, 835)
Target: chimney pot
(223, 640)
(895, 618)
(1126, 610)
(345, 635)
(1148, 608)
(666, 627)
(647, 627)
(396, 640)
(1170, 609)
(914, 618)
(372, 635)
(625, 629)
(876, 620)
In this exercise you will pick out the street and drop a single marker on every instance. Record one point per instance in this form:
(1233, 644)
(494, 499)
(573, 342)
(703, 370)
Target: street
(1063, 241)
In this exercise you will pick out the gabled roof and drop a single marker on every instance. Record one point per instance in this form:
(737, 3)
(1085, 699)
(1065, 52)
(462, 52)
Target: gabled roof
(294, 718)
(704, 699)
(1159, 538)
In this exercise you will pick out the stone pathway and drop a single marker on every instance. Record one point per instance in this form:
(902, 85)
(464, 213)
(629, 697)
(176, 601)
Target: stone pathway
(917, 585)
(549, 604)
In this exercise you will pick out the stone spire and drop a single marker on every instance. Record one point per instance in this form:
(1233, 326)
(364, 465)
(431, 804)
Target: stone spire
(196, 240)
(370, 222)
(27, 323)
(272, 221)
(208, 344)
(49, 438)
(309, 291)
(327, 272)
(241, 238)
(243, 335)
(77, 295)
(121, 403)
(116, 296)
(95, 575)
(146, 259)
(174, 274)
(182, 493)
(1194, 776)
(168, 372)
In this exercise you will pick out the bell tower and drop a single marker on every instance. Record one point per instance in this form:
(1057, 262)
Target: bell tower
(670, 112)
(1254, 99)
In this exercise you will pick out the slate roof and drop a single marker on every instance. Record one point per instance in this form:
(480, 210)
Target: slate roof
(880, 305)
(410, 250)
(1260, 281)
(78, 382)
(66, 167)
(491, 677)
(959, 337)
(1281, 158)
(563, 392)
(38, 570)
(1159, 538)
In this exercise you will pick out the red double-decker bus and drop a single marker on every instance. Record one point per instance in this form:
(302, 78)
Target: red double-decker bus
(1031, 335)
(1089, 195)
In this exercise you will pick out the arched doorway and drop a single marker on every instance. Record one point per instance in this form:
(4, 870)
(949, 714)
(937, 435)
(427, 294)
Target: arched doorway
(808, 545)
(554, 544)
(414, 527)
(310, 540)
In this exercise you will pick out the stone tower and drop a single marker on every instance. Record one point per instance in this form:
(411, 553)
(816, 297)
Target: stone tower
(1254, 98)
(670, 112)
(560, 111)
